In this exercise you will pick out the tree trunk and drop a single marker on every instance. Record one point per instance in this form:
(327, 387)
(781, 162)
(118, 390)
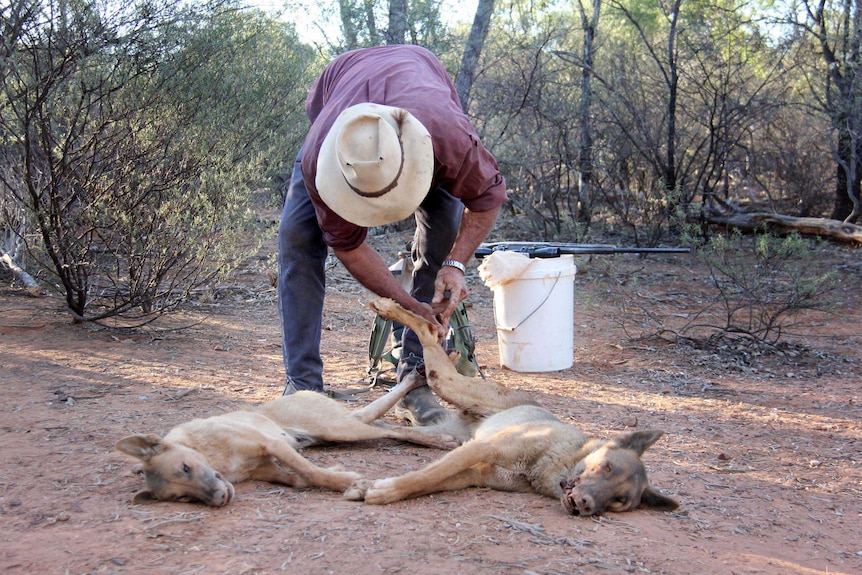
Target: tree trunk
(842, 96)
(585, 156)
(472, 51)
(348, 28)
(670, 175)
(370, 21)
(848, 175)
(397, 32)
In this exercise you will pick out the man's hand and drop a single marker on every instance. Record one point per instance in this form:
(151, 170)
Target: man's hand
(450, 288)
(432, 314)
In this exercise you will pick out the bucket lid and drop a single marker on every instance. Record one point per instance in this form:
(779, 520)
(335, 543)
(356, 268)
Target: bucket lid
(541, 268)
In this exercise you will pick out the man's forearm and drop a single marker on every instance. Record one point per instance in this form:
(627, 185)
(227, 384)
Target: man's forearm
(450, 286)
(369, 269)
(475, 227)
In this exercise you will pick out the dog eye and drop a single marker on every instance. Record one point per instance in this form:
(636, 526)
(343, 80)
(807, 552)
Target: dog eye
(186, 469)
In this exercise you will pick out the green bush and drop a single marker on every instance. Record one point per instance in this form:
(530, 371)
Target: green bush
(745, 287)
(132, 136)
(761, 282)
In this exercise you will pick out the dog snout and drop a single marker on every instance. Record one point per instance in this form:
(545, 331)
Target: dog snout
(586, 504)
(576, 503)
(568, 503)
(570, 483)
(223, 493)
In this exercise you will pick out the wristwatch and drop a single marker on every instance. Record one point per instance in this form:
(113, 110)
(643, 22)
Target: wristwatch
(455, 264)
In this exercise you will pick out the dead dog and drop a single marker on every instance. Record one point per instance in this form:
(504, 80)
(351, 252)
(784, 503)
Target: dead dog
(200, 460)
(516, 445)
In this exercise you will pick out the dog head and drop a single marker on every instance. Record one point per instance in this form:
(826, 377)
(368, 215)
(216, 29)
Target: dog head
(176, 473)
(613, 478)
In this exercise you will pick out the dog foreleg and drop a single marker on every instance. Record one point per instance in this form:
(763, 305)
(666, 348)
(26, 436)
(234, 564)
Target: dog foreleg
(273, 473)
(419, 436)
(470, 465)
(314, 475)
(423, 328)
(481, 397)
(478, 396)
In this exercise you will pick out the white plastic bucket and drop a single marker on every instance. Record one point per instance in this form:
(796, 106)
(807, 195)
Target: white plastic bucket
(534, 316)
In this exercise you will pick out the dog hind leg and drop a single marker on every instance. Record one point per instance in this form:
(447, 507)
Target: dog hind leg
(377, 408)
(348, 430)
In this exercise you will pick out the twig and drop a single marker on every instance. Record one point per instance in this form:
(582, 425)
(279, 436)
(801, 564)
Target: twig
(176, 520)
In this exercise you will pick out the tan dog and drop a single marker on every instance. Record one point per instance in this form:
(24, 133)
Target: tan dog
(518, 446)
(201, 459)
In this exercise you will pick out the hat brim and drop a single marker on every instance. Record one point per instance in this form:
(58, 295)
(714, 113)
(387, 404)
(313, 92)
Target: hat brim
(409, 191)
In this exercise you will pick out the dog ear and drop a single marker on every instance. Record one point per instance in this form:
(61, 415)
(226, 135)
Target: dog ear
(144, 447)
(637, 441)
(652, 499)
(143, 496)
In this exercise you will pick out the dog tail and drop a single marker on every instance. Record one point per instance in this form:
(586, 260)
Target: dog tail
(475, 396)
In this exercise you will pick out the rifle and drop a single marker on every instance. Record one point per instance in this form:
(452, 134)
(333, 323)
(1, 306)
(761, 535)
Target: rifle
(555, 250)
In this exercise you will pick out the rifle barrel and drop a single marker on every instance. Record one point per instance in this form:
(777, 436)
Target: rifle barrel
(552, 250)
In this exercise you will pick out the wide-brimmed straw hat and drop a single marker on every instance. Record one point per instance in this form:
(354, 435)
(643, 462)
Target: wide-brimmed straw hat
(375, 165)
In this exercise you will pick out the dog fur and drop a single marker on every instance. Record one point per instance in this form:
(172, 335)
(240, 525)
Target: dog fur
(200, 460)
(513, 444)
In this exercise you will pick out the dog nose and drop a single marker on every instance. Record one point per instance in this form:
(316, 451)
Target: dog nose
(223, 493)
(586, 504)
(221, 498)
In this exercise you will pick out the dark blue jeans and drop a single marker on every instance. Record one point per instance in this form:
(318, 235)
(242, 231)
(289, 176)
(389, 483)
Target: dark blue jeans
(302, 282)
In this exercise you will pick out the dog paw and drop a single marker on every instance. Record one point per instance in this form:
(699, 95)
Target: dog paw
(350, 477)
(381, 492)
(383, 306)
(340, 480)
(356, 492)
(454, 356)
(450, 442)
(444, 441)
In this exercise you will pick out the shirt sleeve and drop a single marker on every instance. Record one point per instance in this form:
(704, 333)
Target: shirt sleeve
(476, 179)
(338, 233)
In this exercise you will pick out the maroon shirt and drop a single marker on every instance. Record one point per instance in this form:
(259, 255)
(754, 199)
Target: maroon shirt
(409, 77)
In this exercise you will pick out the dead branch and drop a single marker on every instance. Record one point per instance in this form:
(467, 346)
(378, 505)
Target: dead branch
(31, 286)
(779, 223)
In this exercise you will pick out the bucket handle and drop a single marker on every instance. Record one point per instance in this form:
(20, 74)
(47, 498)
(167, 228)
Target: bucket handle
(532, 313)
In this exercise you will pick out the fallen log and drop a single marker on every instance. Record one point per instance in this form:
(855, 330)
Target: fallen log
(782, 224)
(31, 286)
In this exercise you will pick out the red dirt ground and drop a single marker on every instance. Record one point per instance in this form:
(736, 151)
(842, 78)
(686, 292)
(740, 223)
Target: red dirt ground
(763, 452)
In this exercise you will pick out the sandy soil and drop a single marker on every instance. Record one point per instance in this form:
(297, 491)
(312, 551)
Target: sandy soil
(762, 451)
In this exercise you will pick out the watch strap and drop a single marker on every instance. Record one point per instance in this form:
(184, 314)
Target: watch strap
(455, 264)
